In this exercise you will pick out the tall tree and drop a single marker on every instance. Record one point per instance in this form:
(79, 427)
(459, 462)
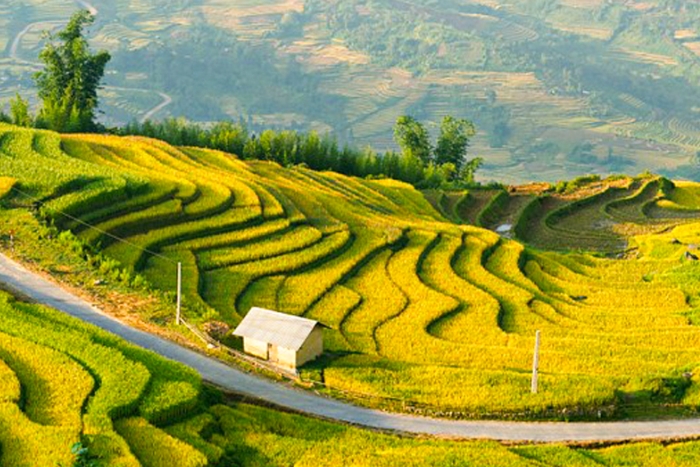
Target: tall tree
(19, 111)
(413, 139)
(453, 141)
(71, 77)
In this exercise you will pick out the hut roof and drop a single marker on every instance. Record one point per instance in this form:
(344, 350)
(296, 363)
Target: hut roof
(287, 331)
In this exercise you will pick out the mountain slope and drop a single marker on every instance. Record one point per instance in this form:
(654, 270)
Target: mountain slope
(424, 313)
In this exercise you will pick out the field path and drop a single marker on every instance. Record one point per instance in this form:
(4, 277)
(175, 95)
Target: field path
(14, 48)
(19, 279)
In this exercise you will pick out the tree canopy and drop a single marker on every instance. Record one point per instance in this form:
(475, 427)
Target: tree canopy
(317, 152)
(413, 138)
(449, 156)
(69, 82)
(453, 141)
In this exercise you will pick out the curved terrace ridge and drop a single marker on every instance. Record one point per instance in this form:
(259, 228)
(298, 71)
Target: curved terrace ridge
(17, 278)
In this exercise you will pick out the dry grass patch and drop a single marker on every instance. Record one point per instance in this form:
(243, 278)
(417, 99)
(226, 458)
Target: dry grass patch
(648, 57)
(596, 33)
(585, 4)
(685, 34)
(251, 18)
(318, 55)
(693, 47)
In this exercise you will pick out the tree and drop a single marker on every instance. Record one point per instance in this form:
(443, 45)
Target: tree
(69, 82)
(413, 139)
(453, 141)
(19, 112)
(469, 170)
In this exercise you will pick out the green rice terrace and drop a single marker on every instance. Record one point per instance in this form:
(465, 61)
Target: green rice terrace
(429, 309)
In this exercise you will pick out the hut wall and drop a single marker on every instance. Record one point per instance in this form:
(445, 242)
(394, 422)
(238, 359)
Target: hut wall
(312, 348)
(287, 358)
(255, 347)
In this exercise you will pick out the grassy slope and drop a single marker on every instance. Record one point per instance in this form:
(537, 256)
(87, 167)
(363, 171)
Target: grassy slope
(438, 315)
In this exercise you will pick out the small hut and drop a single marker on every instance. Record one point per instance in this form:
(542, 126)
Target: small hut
(285, 340)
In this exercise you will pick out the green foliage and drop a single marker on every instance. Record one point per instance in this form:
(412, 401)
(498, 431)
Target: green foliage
(19, 112)
(413, 139)
(318, 152)
(155, 448)
(453, 142)
(58, 360)
(69, 83)
(469, 169)
(82, 456)
(447, 161)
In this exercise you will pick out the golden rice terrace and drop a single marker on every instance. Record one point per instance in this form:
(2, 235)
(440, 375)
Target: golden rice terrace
(429, 308)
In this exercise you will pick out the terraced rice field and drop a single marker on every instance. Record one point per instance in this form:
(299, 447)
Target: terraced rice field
(62, 381)
(426, 309)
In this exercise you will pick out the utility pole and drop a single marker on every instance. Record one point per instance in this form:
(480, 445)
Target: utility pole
(536, 363)
(178, 316)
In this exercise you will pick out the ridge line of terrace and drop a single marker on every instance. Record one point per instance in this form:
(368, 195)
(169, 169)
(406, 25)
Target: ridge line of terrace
(17, 278)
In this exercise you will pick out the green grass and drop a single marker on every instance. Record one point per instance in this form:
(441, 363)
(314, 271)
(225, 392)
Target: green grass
(410, 293)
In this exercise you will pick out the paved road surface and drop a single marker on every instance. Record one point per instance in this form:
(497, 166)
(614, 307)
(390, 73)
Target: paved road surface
(18, 278)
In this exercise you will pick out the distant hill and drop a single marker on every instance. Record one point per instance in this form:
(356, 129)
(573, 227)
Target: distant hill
(558, 88)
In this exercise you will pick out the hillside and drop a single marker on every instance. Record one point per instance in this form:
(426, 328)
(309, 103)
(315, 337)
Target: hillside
(426, 314)
(557, 87)
(62, 381)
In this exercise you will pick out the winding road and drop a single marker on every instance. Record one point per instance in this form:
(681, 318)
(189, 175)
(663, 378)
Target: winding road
(166, 102)
(17, 42)
(18, 39)
(17, 278)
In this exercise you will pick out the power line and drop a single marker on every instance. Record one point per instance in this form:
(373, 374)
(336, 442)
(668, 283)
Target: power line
(93, 227)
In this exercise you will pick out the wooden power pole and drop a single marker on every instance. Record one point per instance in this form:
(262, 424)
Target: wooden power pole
(178, 316)
(536, 363)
